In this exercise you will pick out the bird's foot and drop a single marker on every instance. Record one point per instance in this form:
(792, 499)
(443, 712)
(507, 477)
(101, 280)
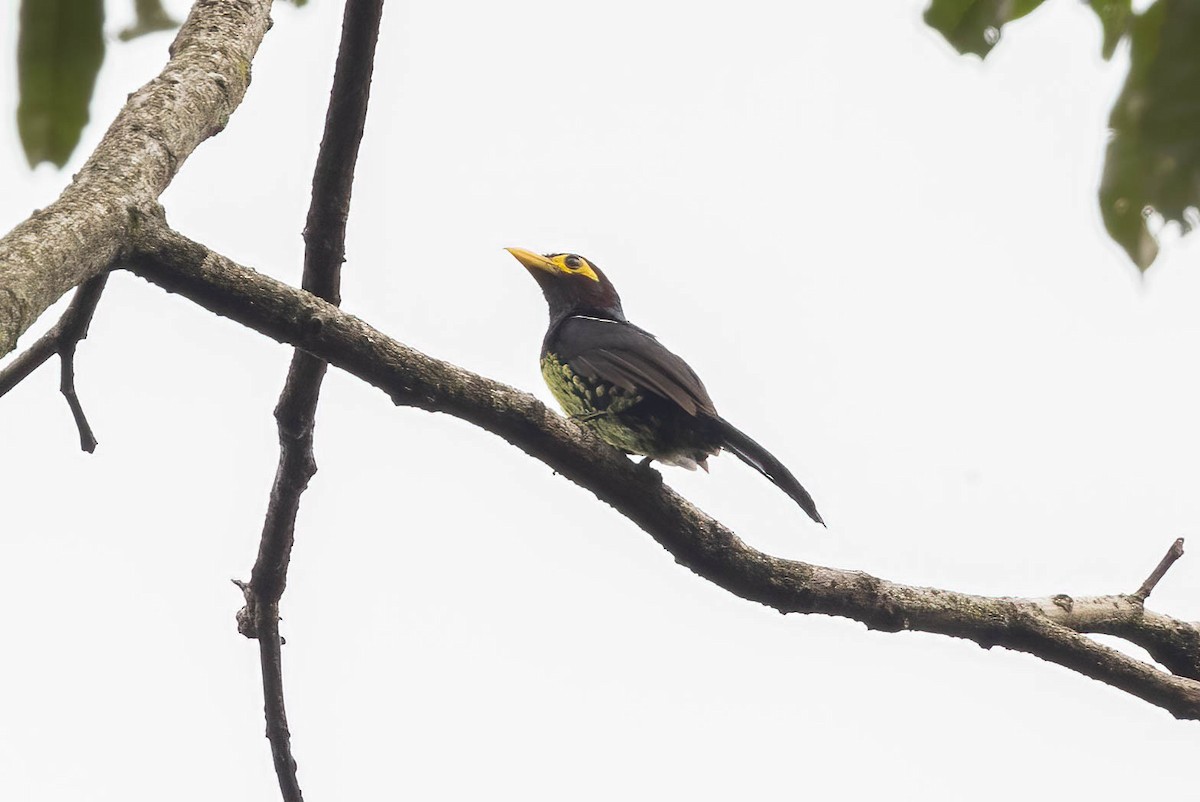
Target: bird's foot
(589, 416)
(653, 477)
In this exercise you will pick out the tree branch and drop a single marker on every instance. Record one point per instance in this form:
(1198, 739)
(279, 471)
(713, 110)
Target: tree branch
(61, 339)
(295, 415)
(1042, 628)
(84, 231)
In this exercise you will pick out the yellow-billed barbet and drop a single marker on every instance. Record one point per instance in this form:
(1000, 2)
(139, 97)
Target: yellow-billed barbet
(625, 385)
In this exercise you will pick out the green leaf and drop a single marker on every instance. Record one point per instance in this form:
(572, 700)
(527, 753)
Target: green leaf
(1115, 16)
(973, 26)
(59, 50)
(1153, 160)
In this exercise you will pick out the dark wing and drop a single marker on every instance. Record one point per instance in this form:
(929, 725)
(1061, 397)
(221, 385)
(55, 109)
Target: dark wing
(624, 355)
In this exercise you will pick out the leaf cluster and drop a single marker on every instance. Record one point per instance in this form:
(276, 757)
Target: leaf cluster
(1152, 168)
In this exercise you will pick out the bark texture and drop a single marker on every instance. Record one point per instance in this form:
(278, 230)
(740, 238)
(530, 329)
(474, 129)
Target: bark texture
(83, 232)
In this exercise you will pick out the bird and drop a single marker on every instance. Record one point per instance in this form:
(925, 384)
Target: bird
(618, 380)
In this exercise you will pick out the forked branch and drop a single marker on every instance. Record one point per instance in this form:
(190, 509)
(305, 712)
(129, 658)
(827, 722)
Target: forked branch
(62, 339)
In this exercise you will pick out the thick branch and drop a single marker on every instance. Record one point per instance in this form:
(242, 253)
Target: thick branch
(695, 540)
(82, 233)
(61, 339)
(325, 240)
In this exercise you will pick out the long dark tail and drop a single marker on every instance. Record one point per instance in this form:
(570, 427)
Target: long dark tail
(765, 463)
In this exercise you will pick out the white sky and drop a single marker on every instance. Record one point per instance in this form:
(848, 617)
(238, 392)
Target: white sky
(885, 260)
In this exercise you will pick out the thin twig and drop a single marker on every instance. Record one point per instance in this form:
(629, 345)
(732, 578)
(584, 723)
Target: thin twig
(295, 414)
(61, 339)
(1164, 565)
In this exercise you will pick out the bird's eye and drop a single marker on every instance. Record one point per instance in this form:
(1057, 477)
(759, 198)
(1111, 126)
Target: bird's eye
(572, 261)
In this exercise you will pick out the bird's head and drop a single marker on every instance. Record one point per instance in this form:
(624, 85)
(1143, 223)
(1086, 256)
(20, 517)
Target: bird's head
(572, 284)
